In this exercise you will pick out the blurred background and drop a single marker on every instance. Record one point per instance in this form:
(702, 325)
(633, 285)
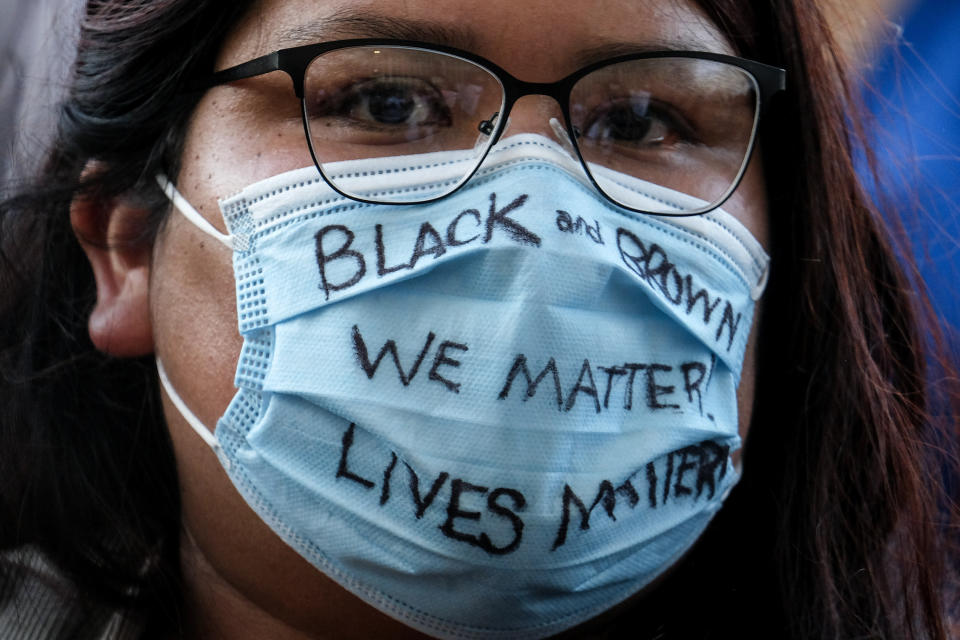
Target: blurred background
(908, 55)
(37, 39)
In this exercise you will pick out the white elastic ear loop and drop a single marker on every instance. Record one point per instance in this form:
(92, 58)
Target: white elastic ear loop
(183, 206)
(188, 415)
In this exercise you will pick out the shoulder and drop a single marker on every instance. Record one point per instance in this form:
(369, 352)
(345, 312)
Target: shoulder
(37, 602)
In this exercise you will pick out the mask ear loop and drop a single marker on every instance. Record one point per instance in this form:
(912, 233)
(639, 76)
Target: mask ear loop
(188, 415)
(184, 207)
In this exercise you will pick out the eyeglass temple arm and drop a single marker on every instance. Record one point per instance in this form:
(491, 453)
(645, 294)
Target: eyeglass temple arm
(774, 82)
(249, 69)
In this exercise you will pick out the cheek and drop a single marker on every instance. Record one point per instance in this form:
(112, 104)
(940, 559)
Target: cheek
(234, 139)
(747, 388)
(194, 317)
(748, 204)
(237, 137)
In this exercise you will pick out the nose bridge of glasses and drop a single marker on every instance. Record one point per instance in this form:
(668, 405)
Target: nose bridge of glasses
(539, 113)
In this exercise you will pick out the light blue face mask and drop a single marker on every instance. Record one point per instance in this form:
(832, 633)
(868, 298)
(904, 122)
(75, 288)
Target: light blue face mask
(492, 416)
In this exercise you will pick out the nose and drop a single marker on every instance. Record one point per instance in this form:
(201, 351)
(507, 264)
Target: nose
(541, 115)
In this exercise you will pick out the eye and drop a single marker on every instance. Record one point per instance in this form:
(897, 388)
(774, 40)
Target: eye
(384, 102)
(639, 123)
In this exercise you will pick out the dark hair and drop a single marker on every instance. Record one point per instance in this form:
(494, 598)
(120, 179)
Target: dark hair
(87, 472)
(833, 530)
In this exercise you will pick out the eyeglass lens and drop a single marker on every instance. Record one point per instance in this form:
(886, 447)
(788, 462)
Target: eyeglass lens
(682, 124)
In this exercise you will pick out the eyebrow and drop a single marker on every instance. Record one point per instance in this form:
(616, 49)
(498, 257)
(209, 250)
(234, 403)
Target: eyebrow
(353, 23)
(359, 23)
(612, 49)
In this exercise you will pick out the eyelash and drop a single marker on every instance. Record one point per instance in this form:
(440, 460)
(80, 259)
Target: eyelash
(345, 101)
(653, 111)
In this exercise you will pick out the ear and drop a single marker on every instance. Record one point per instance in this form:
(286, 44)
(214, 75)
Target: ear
(110, 232)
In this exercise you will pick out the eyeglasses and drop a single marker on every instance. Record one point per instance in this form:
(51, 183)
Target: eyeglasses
(683, 121)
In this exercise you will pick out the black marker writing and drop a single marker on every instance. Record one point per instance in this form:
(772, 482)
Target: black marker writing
(690, 471)
(482, 539)
(441, 359)
(494, 506)
(606, 496)
(423, 503)
(343, 252)
(566, 224)
(452, 239)
(498, 530)
(498, 218)
(390, 346)
(695, 379)
(657, 393)
(654, 390)
(652, 264)
(589, 389)
(387, 475)
(343, 470)
(341, 266)
(428, 244)
(520, 366)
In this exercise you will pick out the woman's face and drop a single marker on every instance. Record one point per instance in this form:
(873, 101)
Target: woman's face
(250, 130)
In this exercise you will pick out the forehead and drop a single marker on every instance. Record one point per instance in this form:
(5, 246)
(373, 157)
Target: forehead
(536, 40)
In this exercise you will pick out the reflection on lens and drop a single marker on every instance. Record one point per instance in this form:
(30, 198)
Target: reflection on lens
(372, 102)
(683, 124)
(672, 130)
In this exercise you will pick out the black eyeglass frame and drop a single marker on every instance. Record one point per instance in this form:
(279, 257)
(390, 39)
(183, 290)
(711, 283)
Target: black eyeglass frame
(294, 62)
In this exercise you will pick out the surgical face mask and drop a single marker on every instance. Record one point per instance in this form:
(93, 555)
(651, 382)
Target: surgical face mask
(493, 416)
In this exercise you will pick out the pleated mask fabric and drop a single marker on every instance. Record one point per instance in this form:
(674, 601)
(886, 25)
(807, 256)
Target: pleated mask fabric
(491, 416)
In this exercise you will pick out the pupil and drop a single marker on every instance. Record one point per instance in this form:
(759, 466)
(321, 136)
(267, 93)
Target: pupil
(391, 106)
(627, 124)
